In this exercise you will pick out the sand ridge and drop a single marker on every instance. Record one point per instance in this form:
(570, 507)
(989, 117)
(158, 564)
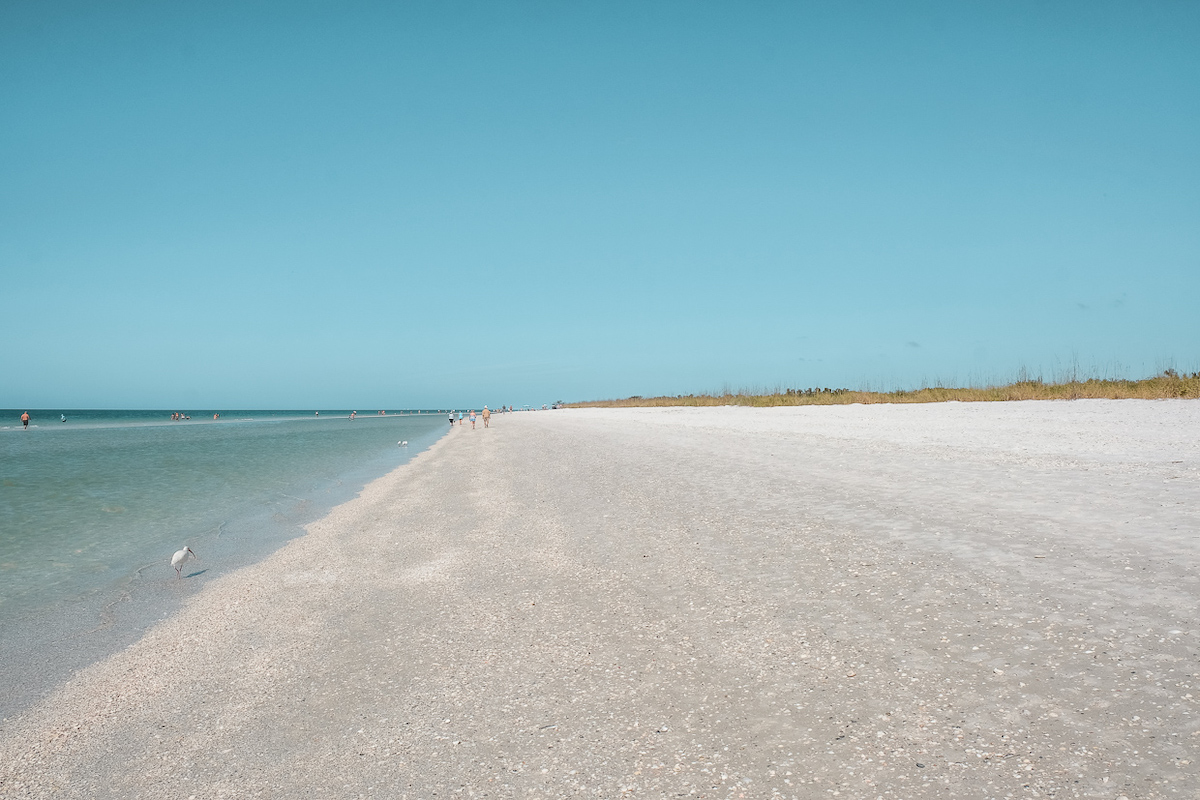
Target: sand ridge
(964, 600)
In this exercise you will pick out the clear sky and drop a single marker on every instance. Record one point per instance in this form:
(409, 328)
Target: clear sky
(427, 204)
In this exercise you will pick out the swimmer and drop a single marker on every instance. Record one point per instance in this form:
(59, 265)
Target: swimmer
(64, 417)
(25, 420)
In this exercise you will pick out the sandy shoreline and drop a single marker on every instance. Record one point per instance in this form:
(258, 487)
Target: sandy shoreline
(960, 600)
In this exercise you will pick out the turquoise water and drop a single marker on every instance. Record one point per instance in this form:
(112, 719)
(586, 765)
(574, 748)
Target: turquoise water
(92, 509)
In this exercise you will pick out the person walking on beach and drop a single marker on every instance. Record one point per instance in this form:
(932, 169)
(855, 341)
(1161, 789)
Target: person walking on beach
(472, 419)
(25, 420)
(451, 419)
(487, 415)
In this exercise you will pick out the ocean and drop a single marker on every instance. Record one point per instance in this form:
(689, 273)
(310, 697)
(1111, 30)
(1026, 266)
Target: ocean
(91, 510)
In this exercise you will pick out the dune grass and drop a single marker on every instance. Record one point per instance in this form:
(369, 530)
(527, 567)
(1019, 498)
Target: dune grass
(1169, 384)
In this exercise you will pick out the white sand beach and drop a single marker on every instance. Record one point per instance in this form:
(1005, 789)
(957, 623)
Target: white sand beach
(984, 600)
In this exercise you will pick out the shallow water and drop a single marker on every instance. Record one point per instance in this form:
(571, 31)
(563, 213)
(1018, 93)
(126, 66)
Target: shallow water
(92, 509)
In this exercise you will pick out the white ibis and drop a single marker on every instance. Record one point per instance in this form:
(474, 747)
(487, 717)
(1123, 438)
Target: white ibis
(181, 557)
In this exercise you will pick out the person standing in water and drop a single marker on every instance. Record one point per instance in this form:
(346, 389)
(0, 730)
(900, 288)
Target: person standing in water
(452, 419)
(25, 420)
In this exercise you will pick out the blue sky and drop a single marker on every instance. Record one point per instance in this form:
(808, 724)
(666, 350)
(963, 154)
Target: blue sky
(429, 204)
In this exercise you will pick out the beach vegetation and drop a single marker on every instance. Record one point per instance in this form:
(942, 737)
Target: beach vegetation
(1168, 384)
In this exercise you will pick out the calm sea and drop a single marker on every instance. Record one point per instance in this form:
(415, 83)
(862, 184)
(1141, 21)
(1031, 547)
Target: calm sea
(91, 510)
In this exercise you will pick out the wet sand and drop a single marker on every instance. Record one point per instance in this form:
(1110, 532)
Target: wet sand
(956, 600)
